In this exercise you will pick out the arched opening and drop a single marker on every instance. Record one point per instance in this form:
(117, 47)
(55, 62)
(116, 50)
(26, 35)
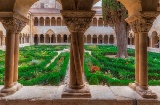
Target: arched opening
(58, 21)
(47, 38)
(94, 39)
(35, 21)
(100, 39)
(154, 40)
(47, 21)
(53, 21)
(111, 39)
(65, 39)
(106, 39)
(58, 38)
(100, 22)
(41, 21)
(36, 39)
(88, 38)
(94, 21)
(53, 39)
(41, 38)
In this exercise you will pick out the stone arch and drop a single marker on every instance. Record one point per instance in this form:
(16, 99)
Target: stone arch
(41, 21)
(94, 39)
(154, 40)
(53, 38)
(111, 39)
(41, 38)
(59, 21)
(100, 22)
(53, 21)
(35, 21)
(65, 39)
(36, 39)
(94, 21)
(105, 39)
(47, 21)
(100, 39)
(89, 39)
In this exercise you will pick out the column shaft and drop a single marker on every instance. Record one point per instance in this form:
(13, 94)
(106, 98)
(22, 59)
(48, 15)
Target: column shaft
(16, 55)
(143, 68)
(9, 59)
(137, 58)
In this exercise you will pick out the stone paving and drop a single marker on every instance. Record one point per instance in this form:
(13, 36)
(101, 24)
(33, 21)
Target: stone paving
(101, 95)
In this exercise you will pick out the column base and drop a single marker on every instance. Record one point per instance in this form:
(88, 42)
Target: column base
(133, 86)
(76, 93)
(5, 91)
(146, 93)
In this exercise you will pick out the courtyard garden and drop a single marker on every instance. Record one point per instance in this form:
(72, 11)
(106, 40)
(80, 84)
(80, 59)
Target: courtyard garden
(35, 66)
(101, 67)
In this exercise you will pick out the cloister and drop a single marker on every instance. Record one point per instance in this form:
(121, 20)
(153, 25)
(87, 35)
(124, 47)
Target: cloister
(77, 16)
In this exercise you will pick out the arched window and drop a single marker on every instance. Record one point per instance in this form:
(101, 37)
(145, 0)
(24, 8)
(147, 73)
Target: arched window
(35, 21)
(58, 21)
(41, 21)
(100, 22)
(53, 21)
(47, 21)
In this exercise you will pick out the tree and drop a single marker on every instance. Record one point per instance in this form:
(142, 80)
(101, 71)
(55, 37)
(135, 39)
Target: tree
(114, 14)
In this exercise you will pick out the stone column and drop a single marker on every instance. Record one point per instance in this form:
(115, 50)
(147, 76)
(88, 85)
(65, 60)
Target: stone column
(91, 39)
(56, 38)
(141, 26)
(108, 39)
(102, 39)
(143, 69)
(38, 38)
(97, 39)
(13, 27)
(77, 23)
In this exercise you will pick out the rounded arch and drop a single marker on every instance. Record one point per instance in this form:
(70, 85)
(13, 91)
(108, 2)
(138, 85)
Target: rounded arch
(36, 39)
(53, 21)
(111, 39)
(41, 21)
(94, 39)
(59, 21)
(100, 22)
(35, 21)
(106, 39)
(65, 39)
(47, 21)
(53, 38)
(154, 40)
(100, 39)
(94, 21)
(41, 38)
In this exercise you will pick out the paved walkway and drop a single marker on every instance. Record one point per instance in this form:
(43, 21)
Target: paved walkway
(100, 95)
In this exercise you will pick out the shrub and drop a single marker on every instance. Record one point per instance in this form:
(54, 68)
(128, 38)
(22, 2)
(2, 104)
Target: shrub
(93, 80)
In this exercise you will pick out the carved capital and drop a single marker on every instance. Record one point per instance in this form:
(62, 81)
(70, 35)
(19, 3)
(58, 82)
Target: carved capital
(142, 21)
(13, 24)
(77, 21)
